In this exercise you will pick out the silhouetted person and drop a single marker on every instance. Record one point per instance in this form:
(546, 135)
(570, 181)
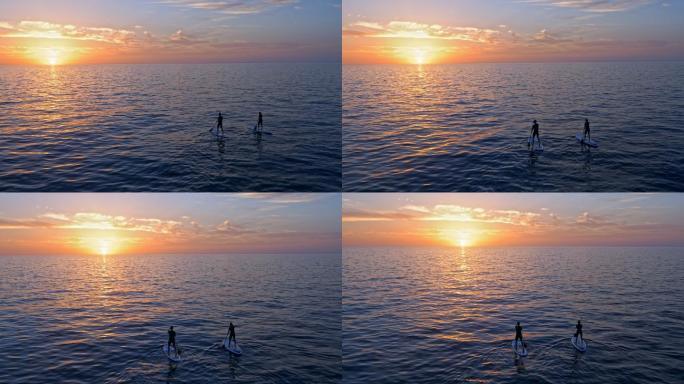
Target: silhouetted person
(578, 333)
(260, 123)
(172, 340)
(231, 333)
(219, 123)
(587, 131)
(518, 334)
(535, 133)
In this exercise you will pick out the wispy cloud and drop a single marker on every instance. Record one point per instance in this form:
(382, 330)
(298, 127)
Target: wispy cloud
(282, 198)
(45, 30)
(446, 213)
(599, 6)
(232, 7)
(415, 30)
(134, 37)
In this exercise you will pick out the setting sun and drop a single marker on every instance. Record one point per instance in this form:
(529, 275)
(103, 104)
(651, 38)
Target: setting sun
(104, 248)
(101, 246)
(419, 57)
(52, 58)
(47, 56)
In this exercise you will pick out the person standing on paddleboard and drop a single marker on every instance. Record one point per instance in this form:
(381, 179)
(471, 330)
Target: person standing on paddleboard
(172, 340)
(219, 123)
(518, 334)
(260, 124)
(535, 133)
(578, 333)
(231, 333)
(587, 131)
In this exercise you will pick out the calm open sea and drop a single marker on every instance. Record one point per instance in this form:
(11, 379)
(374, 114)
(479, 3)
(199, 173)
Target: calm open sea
(104, 320)
(465, 127)
(146, 128)
(448, 315)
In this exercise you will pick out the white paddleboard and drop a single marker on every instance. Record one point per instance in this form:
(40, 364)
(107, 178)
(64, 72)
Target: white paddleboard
(217, 135)
(233, 348)
(173, 356)
(520, 350)
(580, 345)
(591, 143)
(535, 145)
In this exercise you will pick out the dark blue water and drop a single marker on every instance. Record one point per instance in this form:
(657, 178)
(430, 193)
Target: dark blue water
(448, 315)
(87, 319)
(146, 128)
(465, 127)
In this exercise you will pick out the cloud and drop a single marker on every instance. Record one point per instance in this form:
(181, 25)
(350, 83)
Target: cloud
(453, 213)
(6, 223)
(354, 215)
(468, 214)
(598, 6)
(232, 7)
(45, 30)
(281, 198)
(93, 221)
(546, 37)
(415, 30)
(98, 221)
(587, 220)
(227, 227)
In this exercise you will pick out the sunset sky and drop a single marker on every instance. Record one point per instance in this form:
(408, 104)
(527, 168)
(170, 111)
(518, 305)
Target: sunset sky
(112, 224)
(54, 32)
(455, 31)
(533, 219)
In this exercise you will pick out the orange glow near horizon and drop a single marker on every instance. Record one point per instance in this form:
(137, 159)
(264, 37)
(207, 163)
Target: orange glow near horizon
(147, 224)
(439, 32)
(502, 220)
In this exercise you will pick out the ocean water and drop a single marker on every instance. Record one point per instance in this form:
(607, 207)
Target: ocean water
(146, 128)
(465, 127)
(103, 320)
(448, 315)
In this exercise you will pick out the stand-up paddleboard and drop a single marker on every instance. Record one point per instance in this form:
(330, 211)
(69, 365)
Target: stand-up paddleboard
(591, 143)
(217, 134)
(233, 348)
(172, 355)
(580, 344)
(257, 132)
(535, 146)
(520, 350)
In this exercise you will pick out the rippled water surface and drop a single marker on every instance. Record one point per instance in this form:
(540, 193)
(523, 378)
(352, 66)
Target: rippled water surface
(448, 316)
(146, 128)
(103, 320)
(465, 127)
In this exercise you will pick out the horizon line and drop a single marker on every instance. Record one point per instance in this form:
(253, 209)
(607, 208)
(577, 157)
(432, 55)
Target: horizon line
(172, 254)
(171, 63)
(523, 62)
(515, 246)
